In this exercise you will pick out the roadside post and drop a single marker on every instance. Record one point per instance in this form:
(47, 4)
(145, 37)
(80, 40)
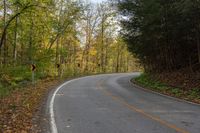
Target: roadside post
(58, 69)
(33, 68)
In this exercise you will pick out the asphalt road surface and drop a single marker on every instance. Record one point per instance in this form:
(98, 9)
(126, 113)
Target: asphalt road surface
(112, 104)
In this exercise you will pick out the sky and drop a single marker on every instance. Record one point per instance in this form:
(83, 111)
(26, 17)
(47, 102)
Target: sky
(97, 1)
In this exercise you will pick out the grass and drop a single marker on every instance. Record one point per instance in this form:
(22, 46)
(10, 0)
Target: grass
(13, 78)
(146, 81)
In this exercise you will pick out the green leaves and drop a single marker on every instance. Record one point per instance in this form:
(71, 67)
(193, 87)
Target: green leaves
(81, 38)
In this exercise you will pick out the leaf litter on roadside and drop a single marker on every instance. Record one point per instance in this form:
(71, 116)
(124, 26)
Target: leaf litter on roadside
(18, 108)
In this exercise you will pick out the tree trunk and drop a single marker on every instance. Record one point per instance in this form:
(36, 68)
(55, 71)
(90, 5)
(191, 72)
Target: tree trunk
(127, 63)
(88, 38)
(57, 58)
(74, 60)
(31, 42)
(198, 44)
(118, 56)
(15, 40)
(5, 35)
(102, 44)
(106, 57)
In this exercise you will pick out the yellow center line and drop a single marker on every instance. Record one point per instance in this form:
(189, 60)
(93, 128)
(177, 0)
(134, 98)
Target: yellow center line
(135, 109)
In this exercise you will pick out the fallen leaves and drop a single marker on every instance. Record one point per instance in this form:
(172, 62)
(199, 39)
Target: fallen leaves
(180, 84)
(181, 79)
(17, 109)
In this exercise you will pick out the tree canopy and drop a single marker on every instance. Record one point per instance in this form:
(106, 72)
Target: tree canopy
(163, 34)
(60, 38)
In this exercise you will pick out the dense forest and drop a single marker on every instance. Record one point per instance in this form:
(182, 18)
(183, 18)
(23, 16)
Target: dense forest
(165, 35)
(60, 38)
(44, 42)
(70, 38)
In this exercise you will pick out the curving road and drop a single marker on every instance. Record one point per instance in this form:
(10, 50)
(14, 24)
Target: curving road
(111, 104)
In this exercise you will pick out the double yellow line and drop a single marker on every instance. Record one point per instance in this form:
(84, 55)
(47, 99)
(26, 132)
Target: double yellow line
(135, 109)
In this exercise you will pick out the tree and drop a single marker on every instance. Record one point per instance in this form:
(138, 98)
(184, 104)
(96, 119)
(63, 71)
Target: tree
(60, 38)
(163, 34)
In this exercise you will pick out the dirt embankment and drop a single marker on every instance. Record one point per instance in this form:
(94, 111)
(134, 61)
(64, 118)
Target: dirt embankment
(181, 84)
(180, 79)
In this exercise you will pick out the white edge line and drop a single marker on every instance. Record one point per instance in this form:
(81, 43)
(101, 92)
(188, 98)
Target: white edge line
(154, 92)
(51, 111)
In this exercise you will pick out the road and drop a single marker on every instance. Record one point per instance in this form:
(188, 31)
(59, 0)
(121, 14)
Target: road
(112, 104)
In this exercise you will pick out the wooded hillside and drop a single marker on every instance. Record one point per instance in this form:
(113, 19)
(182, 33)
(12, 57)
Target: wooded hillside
(165, 35)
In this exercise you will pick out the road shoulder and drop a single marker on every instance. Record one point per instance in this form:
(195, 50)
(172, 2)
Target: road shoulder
(166, 91)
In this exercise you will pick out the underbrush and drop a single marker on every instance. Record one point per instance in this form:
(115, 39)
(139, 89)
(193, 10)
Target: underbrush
(150, 82)
(18, 77)
(12, 78)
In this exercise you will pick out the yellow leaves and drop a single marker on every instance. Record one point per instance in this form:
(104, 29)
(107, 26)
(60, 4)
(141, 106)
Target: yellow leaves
(93, 52)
